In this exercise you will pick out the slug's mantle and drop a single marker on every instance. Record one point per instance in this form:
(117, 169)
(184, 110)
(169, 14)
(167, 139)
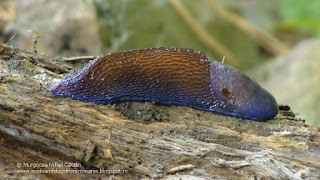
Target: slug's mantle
(169, 76)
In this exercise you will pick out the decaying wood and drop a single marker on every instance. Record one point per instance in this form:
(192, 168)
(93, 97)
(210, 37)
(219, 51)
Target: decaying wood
(133, 140)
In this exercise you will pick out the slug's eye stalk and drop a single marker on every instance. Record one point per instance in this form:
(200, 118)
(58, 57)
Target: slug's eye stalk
(241, 96)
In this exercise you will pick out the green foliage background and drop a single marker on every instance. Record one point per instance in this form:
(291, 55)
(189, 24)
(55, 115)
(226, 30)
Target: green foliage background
(300, 15)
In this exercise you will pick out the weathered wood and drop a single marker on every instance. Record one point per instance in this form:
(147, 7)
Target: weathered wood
(144, 140)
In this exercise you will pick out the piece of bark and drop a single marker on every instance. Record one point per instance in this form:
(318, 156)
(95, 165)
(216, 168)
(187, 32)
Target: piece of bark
(132, 140)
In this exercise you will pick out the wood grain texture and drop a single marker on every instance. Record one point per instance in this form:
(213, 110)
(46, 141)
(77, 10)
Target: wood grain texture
(149, 141)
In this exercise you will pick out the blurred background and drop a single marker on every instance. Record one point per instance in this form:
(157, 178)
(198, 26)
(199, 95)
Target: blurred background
(275, 42)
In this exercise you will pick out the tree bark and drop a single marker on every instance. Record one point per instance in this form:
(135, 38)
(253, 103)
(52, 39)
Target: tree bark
(45, 137)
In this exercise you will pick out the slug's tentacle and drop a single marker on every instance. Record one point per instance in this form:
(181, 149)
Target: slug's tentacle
(167, 75)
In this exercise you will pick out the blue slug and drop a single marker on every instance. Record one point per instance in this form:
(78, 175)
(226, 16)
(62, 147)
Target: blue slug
(169, 76)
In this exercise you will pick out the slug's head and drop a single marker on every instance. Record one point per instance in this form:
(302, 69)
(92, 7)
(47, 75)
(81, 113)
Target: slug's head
(239, 96)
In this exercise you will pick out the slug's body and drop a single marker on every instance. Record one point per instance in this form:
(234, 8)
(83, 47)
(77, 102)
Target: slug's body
(169, 76)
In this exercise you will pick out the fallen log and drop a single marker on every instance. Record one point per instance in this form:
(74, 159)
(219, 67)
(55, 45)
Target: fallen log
(47, 137)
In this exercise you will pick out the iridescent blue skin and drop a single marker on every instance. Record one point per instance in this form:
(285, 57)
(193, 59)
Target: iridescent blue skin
(242, 96)
(169, 76)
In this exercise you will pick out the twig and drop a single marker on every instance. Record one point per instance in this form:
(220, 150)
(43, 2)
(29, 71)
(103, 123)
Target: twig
(11, 38)
(203, 35)
(263, 38)
(79, 58)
